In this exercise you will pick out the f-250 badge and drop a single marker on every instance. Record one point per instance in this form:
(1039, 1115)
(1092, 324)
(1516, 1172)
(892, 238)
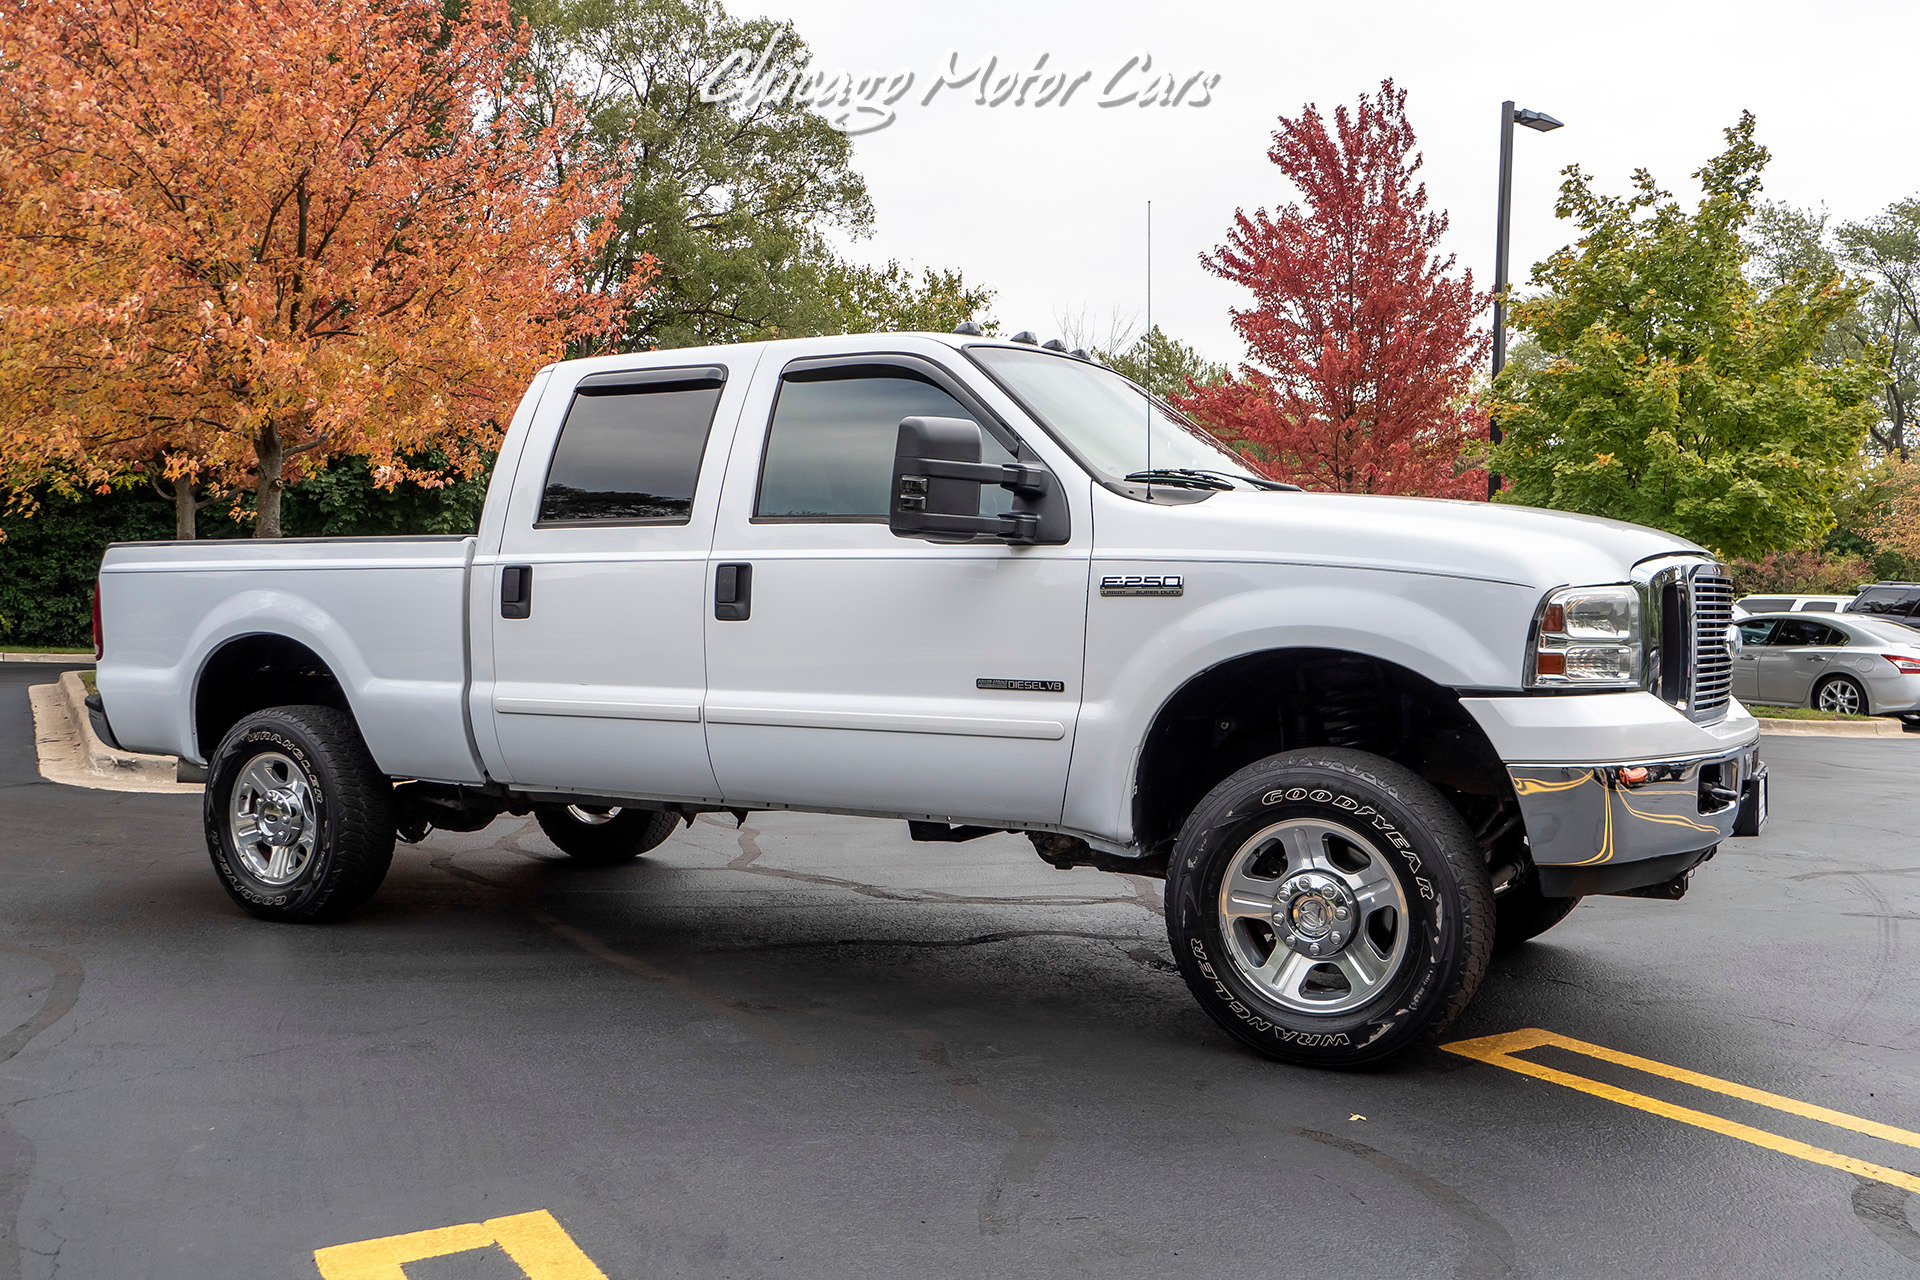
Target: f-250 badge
(1143, 584)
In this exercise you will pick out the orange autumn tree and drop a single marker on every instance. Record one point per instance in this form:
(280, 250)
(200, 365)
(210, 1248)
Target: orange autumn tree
(238, 237)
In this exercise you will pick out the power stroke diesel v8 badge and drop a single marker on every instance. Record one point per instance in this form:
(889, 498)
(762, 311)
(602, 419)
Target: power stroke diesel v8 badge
(1143, 584)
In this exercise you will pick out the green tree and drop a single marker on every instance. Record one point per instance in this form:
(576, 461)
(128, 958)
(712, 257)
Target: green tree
(891, 299)
(1675, 393)
(1886, 250)
(733, 199)
(1885, 327)
(1163, 365)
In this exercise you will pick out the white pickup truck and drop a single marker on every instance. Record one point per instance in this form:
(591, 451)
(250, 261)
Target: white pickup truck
(981, 586)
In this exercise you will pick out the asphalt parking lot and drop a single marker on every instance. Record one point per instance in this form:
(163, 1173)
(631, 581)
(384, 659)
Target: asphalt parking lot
(809, 1048)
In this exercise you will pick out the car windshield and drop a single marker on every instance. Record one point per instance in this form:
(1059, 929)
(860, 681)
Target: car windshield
(1111, 424)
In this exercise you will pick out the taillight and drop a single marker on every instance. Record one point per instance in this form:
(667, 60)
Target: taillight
(1907, 666)
(100, 635)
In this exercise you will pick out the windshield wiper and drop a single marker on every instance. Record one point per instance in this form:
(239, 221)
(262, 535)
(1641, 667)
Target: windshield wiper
(1200, 478)
(1179, 476)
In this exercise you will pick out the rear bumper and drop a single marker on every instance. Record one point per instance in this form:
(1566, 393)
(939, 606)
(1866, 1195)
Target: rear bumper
(97, 717)
(1604, 828)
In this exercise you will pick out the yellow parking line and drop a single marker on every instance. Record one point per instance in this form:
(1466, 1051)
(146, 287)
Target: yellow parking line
(536, 1242)
(1499, 1051)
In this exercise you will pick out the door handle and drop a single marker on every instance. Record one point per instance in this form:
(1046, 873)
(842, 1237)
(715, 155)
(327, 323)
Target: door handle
(733, 592)
(516, 590)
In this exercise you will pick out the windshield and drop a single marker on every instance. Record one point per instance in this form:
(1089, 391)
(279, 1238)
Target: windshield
(1109, 423)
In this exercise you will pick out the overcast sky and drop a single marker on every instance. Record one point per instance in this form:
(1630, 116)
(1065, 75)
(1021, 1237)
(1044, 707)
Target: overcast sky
(1048, 204)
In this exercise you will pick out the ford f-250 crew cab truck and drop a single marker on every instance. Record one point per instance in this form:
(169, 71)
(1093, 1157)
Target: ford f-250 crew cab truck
(980, 586)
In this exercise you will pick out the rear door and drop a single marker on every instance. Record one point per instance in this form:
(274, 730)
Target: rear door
(599, 587)
(852, 669)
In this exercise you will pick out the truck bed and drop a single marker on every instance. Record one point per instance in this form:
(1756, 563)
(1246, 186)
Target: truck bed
(388, 617)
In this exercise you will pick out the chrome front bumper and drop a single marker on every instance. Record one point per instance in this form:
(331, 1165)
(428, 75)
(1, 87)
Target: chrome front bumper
(1604, 828)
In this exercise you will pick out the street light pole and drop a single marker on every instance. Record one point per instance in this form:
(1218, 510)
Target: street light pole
(1543, 123)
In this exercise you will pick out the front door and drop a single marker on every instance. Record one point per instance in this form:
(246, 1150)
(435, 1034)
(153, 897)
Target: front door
(1746, 665)
(599, 589)
(855, 670)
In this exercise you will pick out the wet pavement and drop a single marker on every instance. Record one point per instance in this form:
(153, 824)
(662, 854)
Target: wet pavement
(811, 1048)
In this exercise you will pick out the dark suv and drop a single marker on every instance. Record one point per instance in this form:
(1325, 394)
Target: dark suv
(1894, 601)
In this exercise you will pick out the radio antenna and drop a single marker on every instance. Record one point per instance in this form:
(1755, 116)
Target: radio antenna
(1147, 344)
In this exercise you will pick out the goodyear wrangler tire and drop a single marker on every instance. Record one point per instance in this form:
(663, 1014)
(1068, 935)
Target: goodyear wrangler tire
(1328, 907)
(299, 818)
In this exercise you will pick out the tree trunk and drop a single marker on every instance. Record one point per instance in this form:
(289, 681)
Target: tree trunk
(184, 508)
(273, 461)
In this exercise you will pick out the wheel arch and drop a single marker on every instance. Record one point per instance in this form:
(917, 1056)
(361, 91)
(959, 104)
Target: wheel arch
(1257, 704)
(255, 670)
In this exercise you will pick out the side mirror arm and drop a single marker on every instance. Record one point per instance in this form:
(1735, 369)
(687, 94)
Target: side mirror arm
(1016, 478)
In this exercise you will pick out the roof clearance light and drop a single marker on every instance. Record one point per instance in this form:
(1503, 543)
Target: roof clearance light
(1026, 336)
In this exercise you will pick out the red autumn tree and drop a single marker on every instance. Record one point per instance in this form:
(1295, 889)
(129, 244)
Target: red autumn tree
(240, 236)
(1363, 341)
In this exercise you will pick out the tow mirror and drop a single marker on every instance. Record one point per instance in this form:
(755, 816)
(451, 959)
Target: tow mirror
(937, 478)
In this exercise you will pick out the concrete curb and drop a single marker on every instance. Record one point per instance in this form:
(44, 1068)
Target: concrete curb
(70, 751)
(1833, 728)
(70, 659)
(102, 758)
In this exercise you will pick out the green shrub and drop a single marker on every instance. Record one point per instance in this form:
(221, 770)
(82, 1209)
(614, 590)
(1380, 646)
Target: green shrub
(1801, 573)
(48, 560)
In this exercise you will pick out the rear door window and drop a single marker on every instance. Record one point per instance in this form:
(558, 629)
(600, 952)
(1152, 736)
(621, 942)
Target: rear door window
(1756, 631)
(630, 449)
(1767, 604)
(1801, 632)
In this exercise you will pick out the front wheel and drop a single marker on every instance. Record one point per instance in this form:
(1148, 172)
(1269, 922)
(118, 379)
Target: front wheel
(1328, 907)
(595, 834)
(299, 818)
(1841, 694)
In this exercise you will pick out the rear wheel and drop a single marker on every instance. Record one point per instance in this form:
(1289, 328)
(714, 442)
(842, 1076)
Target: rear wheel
(597, 834)
(299, 818)
(1329, 907)
(1841, 694)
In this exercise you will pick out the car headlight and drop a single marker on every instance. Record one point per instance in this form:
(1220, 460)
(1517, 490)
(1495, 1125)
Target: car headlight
(1588, 638)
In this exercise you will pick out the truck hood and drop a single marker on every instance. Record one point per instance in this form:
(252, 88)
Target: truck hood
(1526, 546)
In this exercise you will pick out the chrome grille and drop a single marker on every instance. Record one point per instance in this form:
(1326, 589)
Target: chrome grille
(1710, 595)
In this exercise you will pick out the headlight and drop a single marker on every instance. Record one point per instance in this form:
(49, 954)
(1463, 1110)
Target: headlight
(1590, 638)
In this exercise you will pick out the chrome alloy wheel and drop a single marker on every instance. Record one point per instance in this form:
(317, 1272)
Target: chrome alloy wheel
(592, 815)
(273, 820)
(1312, 916)
(1840, 696)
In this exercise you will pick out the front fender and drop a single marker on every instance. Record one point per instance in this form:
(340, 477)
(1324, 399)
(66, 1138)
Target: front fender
(1460, 633)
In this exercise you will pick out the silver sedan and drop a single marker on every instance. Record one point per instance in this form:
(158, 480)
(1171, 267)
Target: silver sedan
(1861, 666)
